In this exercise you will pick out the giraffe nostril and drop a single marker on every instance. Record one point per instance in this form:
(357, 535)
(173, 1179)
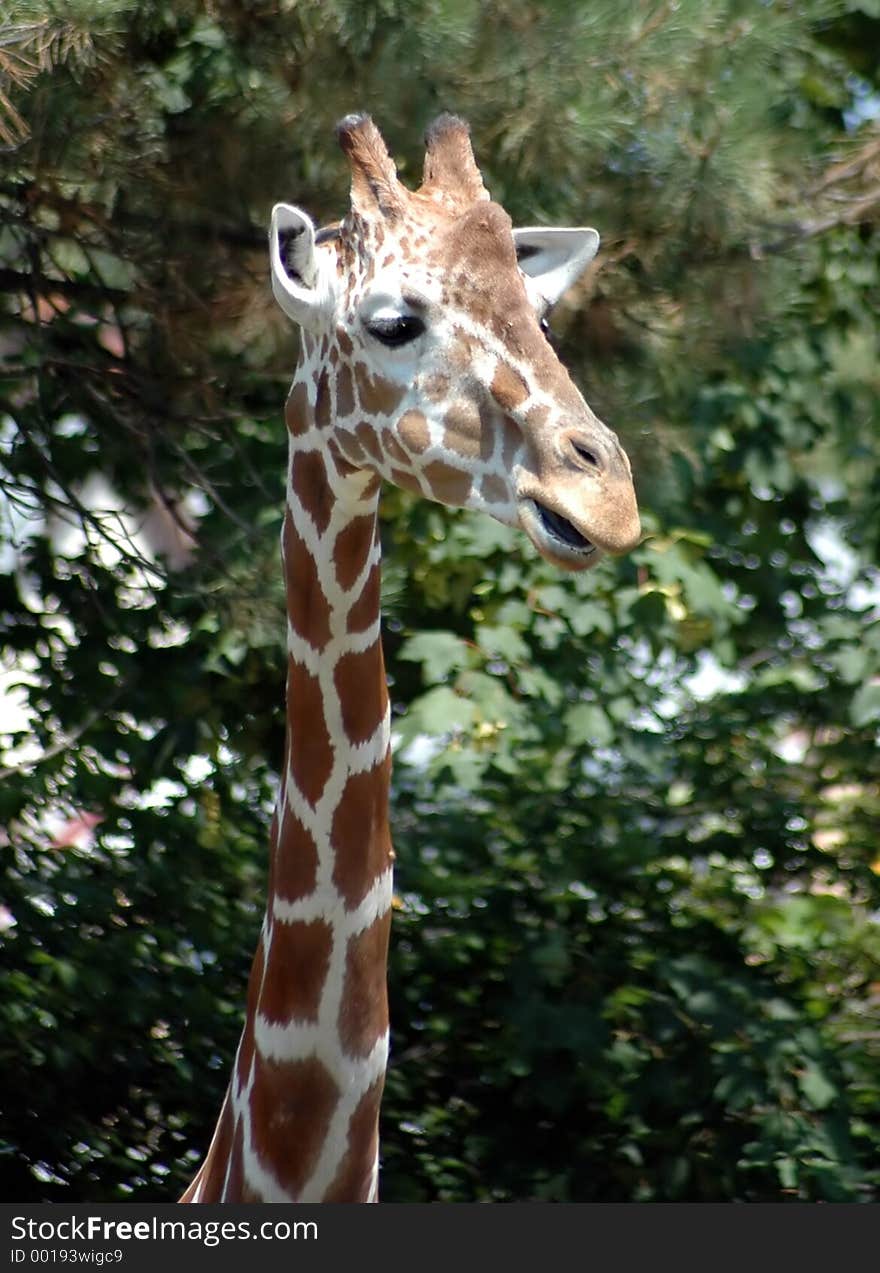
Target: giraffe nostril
(586, 455)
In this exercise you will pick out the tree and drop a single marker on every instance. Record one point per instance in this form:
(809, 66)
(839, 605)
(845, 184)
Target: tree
(638, 872)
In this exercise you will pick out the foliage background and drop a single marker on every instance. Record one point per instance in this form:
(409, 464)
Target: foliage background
(636, 941)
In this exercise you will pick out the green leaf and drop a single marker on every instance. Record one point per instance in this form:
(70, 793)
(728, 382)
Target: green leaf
(536, 683)
(864, 706)
(438, 652)
(589, 616)
(502, 643)
(788, 1172)
(439, 711)
(816, 1087)
(587, 723)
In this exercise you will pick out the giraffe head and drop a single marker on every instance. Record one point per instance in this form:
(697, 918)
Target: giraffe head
(425, 357)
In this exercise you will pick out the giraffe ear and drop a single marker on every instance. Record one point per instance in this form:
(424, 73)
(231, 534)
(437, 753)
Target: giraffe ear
(552, 259)
(294, 264)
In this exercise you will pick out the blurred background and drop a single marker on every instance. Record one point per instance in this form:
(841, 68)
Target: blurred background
(637, 813)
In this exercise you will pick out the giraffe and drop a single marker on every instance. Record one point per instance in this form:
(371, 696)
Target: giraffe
(423, 361)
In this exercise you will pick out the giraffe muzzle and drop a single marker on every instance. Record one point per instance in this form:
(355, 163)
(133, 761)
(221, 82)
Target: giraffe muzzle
(595, 451)
(556, 538)
(576, 501)
(562, 530)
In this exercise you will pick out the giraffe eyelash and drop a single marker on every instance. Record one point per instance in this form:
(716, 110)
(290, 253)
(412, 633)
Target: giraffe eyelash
(396, 331)
(546, 330)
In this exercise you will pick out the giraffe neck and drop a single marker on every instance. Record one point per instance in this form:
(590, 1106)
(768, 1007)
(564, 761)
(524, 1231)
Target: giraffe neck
(300, 1119)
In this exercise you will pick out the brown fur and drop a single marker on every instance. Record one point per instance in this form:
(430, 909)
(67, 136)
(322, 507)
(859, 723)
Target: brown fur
(374, 183)
(450, 170)
(295, 871)
(360, 835)
(311, 751)
(360, 684)
(299, 956)
(354, 1178)
(307, 606)
(363, 1011)
(292, 1104)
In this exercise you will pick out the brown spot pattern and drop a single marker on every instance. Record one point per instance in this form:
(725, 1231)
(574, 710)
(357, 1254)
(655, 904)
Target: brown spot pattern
(367, 437)
(308, 479)
(323, 406)
(355, 1176)
(343, 340)
(346, 443)
(413, 429)
(508, 387)
(363, 1009)
(494, 490)
(392, 448)
(462, 432)
(436, 386)
(372, 487)
(352, 548)
(344, 391)
(511, 439)
(311, 751)
(378, 397)
(448, 485)
(360, 836)
(291, 1108)
(406, 481)
(360, 684)
(295, 860)
(299, 957)
(365, 610)
(307, 606)
(297, 411)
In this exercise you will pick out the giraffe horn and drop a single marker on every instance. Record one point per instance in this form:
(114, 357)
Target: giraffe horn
(374, 182)
(450, 167)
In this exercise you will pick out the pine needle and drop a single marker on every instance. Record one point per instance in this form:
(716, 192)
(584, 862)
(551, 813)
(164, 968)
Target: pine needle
(27, 50)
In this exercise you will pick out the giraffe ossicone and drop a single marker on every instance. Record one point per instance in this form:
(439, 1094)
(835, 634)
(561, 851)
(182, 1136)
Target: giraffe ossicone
(423, 362)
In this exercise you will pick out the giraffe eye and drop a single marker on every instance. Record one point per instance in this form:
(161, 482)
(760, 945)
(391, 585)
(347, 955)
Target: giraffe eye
(546, 330)
(396, 331)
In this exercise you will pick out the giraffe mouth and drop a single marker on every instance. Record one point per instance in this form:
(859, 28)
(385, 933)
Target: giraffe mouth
(556, 535)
